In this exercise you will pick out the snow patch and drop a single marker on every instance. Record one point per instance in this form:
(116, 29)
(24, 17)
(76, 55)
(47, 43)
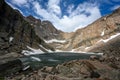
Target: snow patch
(74, 51)
(46, 49)
(55, 40)
(102, 34)
(99, 53)
(35, 58)
(106, 40)
(101, 40)
(32, 51)
(26, 68)
(58, 50)
(87, 47)
(11, 39)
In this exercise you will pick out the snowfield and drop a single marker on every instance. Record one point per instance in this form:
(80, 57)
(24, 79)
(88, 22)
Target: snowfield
(112, 37)
(46, 49)
(55, 40)
(102, 34)
(32, 51)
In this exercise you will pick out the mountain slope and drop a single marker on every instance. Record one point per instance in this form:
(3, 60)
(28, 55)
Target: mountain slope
(44, 29)
(109, 47)
(16, 33)
(103, 28)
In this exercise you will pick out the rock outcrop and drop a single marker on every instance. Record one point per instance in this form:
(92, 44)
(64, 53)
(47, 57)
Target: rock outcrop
(15, 32)
(73, 70)
(44, 29)
(103, 28)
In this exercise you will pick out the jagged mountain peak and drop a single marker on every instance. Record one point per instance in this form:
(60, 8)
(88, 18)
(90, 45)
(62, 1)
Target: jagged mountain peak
(30, 17)
(44, 29)
(16, 33)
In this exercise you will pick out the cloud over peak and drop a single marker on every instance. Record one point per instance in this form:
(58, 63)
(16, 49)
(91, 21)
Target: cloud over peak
(79, 17)
(54, 7)
(71, 18)
(19, 2)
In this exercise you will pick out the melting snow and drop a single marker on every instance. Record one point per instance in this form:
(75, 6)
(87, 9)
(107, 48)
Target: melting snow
(74, 51)
(106, 40)
(45, 48)
(10, 39)
(26, 68)
(55, 40)
(58, 50)
(32, 51)
(35, 58)
(102, 34)
(87, 47)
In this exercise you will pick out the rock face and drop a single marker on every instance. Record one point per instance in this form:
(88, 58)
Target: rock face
(15, 32)
(103, 28)
(73, 70)
(44, 29)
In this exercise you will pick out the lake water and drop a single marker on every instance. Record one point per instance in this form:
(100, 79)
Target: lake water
(52, 59)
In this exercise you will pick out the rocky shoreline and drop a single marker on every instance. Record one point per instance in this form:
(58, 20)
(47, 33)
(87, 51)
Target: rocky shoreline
(92, 69)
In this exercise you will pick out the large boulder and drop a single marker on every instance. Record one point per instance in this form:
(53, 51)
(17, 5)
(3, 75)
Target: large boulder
(73, 70)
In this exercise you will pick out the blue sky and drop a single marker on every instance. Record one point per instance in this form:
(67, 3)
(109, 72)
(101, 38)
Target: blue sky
(66, 15)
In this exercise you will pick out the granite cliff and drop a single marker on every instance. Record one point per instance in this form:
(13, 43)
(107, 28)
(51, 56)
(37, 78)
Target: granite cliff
(16, 33)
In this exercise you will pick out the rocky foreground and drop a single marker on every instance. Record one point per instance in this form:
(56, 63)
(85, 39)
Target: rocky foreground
(73, 70)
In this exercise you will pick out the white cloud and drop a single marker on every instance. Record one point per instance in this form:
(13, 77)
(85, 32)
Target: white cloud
(19, 2)
(115, 7)
(53, 6)
(83, 15)
(45, 13)
(75, 20)
(78, 17)
(95, 14)
(65, 4)
(42, 12)
(22, 3)
(70, 8)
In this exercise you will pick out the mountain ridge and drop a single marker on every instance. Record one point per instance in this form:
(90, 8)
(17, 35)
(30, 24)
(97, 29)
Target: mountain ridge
(87, 36)
(16, 33)
(102, 28)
